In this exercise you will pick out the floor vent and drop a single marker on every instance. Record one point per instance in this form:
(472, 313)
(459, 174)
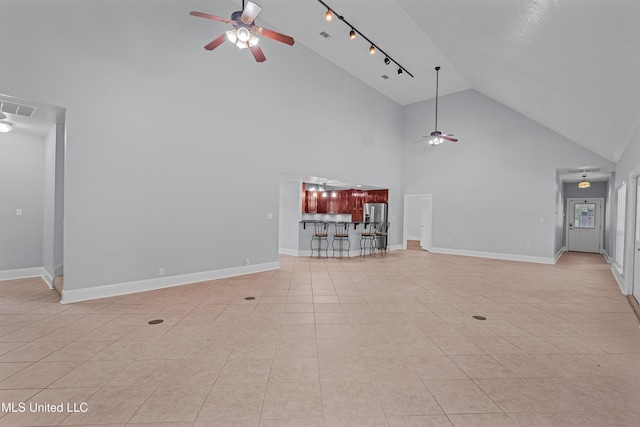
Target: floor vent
(634, 305)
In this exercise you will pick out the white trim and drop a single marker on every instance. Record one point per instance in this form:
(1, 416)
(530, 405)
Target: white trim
(619, 278)
(76, 295)
(291, 252)
(630, 230)
(495, 255)
(559, 254)
(25, 273)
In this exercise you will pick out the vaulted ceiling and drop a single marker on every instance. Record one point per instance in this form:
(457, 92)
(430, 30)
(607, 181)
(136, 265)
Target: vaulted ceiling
(570, 65)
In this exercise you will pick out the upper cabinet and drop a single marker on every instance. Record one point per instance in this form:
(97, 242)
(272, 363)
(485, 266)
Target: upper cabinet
(341, 202)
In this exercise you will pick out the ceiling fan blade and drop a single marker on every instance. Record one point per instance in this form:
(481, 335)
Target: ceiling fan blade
(250, 12)
(274, 35)
(212, 17)
(257, 53)
(217, 42)
(449, 137)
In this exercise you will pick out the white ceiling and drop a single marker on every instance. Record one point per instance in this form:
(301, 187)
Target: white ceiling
(570, 65)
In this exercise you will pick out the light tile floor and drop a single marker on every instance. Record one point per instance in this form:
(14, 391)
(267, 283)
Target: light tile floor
(385, 341)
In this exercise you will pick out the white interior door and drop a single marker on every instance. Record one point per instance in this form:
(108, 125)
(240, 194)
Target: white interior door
(584, 219)
(636, 252)
(425, 224)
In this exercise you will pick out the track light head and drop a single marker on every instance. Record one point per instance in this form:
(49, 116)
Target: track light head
(352, 34)
(328, 16)
(387, 60)
(372, 49)
(400, 71)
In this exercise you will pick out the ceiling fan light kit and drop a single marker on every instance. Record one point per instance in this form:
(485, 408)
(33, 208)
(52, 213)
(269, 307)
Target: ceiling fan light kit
(5, 126)
(373, 48)
(245, 33)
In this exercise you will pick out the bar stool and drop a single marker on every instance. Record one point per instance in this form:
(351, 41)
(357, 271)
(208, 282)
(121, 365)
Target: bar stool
(367, 239)
(341, 236)
(320, 235)
(381, 237)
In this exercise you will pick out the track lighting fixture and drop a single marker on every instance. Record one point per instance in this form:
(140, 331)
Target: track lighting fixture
(352, 35)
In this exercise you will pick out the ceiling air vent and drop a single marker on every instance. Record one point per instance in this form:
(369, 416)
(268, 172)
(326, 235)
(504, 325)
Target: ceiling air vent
(17, 109)
(325, 35)
(384, 77)
(584, 170)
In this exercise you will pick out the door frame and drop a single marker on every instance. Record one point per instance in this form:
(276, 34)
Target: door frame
(569, 218)
(406, 216)
(629, 272)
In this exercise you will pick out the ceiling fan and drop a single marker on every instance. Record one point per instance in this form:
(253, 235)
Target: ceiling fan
(436, 137)
(244, 33)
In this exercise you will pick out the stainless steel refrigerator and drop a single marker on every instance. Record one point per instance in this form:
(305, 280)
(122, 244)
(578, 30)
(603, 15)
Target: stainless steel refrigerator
(377, 213)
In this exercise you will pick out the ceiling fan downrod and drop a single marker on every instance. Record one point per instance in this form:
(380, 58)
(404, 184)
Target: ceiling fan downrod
(437, 73)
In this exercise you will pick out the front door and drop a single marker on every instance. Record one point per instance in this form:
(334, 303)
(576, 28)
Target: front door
(584, 218)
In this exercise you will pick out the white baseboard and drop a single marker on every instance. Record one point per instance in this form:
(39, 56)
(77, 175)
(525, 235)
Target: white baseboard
(291, 252)
(413, 237)
(495, 255)
(25, 273)
(559, 254)
(117, 289)
(619, 279)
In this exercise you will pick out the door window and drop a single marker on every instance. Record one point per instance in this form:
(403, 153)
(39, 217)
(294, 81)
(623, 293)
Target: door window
(584, 215)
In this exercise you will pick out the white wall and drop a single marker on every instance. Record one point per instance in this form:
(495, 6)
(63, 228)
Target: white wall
(21, 187)
(52, 233)
(173, 153)
(496, 190)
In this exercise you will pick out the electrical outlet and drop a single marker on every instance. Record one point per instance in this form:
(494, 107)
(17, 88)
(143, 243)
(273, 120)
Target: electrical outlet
(161, 271)
(18, 212)
(246, 261)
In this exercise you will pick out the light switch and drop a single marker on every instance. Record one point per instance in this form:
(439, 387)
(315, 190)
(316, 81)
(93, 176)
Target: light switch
(269, 215)
(18, 212)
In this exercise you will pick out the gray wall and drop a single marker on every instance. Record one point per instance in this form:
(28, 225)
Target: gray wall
(495, 191)
(173, 153)
(290, 215)
(21, 187)
(597, 189)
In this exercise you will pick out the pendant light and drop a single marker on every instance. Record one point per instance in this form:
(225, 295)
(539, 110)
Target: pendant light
(584, 183)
